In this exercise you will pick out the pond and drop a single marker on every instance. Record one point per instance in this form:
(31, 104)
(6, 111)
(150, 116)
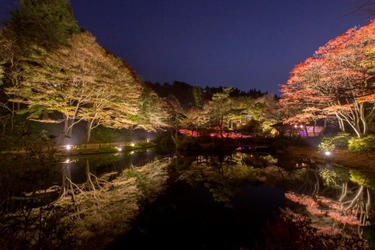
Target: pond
(145, 199)
(223, 202)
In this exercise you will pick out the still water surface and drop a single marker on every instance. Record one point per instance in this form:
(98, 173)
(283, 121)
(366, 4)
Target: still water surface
(222, 201)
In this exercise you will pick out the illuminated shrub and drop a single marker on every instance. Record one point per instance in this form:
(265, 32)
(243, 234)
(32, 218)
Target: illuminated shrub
(341, 140)
(362, 144)
(327, 144)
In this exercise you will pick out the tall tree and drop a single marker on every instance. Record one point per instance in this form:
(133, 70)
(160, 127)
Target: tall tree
(334, 81)
(152, 112)
(47, 23)
(218, 109)
(75, 81)
(11, 56)
(43, 23)
(115, 101)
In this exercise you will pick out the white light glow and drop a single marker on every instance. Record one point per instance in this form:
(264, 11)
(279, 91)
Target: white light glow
(327, 153)
(68, 147)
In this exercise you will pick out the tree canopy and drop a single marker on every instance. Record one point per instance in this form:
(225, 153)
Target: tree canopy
(336, 82)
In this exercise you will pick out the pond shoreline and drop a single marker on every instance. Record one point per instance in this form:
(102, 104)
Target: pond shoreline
(360, 161)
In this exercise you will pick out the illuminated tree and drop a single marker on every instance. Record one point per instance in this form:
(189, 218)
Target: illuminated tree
(116, 99)
(240, 106)
(152, 113)
(47, 24)
(10, 70)
(81, 81)
(336, 82)
(218, 109)
(175, 116)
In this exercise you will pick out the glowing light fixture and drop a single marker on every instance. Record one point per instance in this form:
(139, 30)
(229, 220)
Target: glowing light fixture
(132, 144)
(327, 153)
(119, 149)
(68, 147)
(67, 161)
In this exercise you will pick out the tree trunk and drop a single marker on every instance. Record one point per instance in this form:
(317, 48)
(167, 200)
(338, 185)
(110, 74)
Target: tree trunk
(88, 130)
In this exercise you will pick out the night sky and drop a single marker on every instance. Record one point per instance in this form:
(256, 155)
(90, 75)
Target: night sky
(244, 44)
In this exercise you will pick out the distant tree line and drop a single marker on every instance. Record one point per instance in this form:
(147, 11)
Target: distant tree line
(189, 95)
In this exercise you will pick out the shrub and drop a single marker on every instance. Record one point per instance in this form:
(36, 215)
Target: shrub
(362, 144)
(341, 140)
(327, 144)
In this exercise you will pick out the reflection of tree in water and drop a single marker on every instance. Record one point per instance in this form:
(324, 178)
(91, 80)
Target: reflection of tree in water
(87, 215)
(222, 175)
(337, 209)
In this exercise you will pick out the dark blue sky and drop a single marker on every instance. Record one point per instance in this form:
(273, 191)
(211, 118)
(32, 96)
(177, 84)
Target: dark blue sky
(244, 44)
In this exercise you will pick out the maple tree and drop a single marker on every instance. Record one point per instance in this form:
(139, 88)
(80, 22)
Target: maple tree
(81, 81)
(116, 97)
(335, 82)
(47, 24)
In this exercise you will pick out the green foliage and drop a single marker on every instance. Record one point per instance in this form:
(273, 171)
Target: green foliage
(102, 134)
(144, 144)
(329, 176)
(326, 144)
(33, 112)
(362, 178)
(131, 173)
(108, 148)
(46, 23)
(362, 144)
(341, 140)
(252, 126)
(358, 177)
